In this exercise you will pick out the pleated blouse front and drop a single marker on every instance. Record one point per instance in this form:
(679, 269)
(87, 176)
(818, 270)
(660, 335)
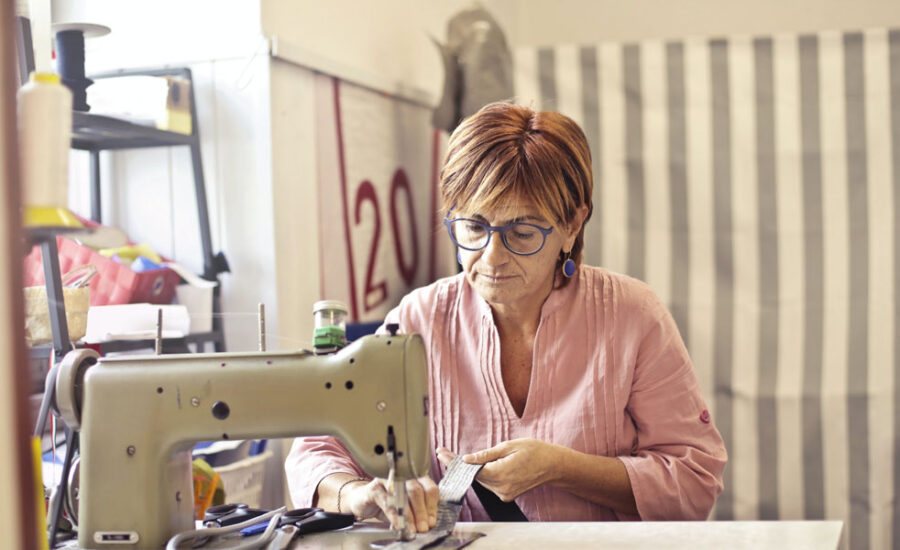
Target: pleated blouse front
(610, 376)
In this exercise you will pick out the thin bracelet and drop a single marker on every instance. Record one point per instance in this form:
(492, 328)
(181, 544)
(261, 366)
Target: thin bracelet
(341, 488)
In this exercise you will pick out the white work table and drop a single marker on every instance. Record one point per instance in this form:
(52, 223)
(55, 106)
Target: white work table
(734, 535)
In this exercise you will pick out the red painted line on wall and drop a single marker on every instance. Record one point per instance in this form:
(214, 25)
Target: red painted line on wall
(321, 193)
(340, 141)
(432, 261)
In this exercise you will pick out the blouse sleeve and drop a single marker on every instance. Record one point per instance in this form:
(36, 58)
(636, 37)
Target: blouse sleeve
(312, 459)
(676, 464)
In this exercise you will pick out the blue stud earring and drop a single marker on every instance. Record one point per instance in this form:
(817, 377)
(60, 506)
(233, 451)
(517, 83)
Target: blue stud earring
(568, 267)
(458, 257)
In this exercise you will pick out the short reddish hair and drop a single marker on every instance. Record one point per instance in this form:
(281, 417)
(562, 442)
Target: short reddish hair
(507, 150)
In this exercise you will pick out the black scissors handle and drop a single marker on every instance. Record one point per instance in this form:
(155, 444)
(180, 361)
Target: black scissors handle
(293, 516)
(324, 521)
(229, 514)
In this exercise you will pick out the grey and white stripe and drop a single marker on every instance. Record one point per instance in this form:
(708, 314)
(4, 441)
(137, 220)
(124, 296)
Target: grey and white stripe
(858, 290)
(894, 49)
(778, 159)
(547, 72)
(836, 259)
(677, 143)
(894, 53)
(789, 211)
(811, 150)
(634, 149)
(881, 310)
(768, 275)
(590, 108)
(724, 261)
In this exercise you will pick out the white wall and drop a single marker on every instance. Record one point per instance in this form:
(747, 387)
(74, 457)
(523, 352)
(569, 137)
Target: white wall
(385, 40)
(295, 194)
(164, 31)
(547, 22)
(390, 40)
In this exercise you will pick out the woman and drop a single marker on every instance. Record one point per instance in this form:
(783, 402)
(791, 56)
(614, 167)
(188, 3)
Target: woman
(569, 383)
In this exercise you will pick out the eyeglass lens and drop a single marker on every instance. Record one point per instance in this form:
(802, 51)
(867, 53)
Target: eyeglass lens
(521, 238)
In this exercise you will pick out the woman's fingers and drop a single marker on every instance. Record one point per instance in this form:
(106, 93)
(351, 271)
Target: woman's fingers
(423, 500)
(517, 466)
(417, 506)
(420, 510)
(491, 454)
(378, 495)
(376, 499)
(432, 496)
(445, 456)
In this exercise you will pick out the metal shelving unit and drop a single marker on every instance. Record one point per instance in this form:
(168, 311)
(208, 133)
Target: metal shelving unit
(95, 133)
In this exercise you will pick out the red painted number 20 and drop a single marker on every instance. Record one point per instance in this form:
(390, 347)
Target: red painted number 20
(376, 293)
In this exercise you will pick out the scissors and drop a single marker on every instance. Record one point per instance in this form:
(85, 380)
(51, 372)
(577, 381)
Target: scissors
(229, 514)
(306, 520)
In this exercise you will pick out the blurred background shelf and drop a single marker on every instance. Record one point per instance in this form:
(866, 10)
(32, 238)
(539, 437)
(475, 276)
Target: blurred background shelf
(91, 132)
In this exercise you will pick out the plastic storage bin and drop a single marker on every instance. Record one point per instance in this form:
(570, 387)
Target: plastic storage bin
(115, 283)
(243, 480)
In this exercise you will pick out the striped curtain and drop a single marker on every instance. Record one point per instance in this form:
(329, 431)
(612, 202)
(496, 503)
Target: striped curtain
(753, 182)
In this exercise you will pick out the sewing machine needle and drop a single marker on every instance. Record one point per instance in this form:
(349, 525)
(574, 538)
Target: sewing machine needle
(400, 507)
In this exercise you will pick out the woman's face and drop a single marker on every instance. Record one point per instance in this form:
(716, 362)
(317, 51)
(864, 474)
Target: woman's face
(506, 279)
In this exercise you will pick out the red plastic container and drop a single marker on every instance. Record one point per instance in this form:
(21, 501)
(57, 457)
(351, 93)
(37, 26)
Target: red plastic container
(114, 283)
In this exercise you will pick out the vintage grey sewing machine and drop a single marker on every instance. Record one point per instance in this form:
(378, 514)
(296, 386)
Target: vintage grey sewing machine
(139, 417)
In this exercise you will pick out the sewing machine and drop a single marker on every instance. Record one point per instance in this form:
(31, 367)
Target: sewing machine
(139, 417)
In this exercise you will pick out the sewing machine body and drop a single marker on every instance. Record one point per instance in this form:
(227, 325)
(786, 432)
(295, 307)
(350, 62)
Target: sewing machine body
(141, 416)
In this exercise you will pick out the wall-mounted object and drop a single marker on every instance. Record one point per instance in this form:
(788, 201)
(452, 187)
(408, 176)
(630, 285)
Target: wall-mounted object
(477, 67)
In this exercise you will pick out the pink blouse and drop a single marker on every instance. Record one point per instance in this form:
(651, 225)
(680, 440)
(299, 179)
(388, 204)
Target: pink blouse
(610, 376)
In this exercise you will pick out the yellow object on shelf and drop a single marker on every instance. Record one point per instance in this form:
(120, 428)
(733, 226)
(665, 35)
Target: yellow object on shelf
(41, 515)
(178, 107)
(46, 78)
(50, 216)
(128, 254)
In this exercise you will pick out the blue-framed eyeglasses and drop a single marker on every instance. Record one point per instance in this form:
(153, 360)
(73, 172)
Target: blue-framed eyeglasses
(519, 238)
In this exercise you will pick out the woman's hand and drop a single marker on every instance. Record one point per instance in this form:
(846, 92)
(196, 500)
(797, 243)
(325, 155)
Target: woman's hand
(373, 499)
(512, 467)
